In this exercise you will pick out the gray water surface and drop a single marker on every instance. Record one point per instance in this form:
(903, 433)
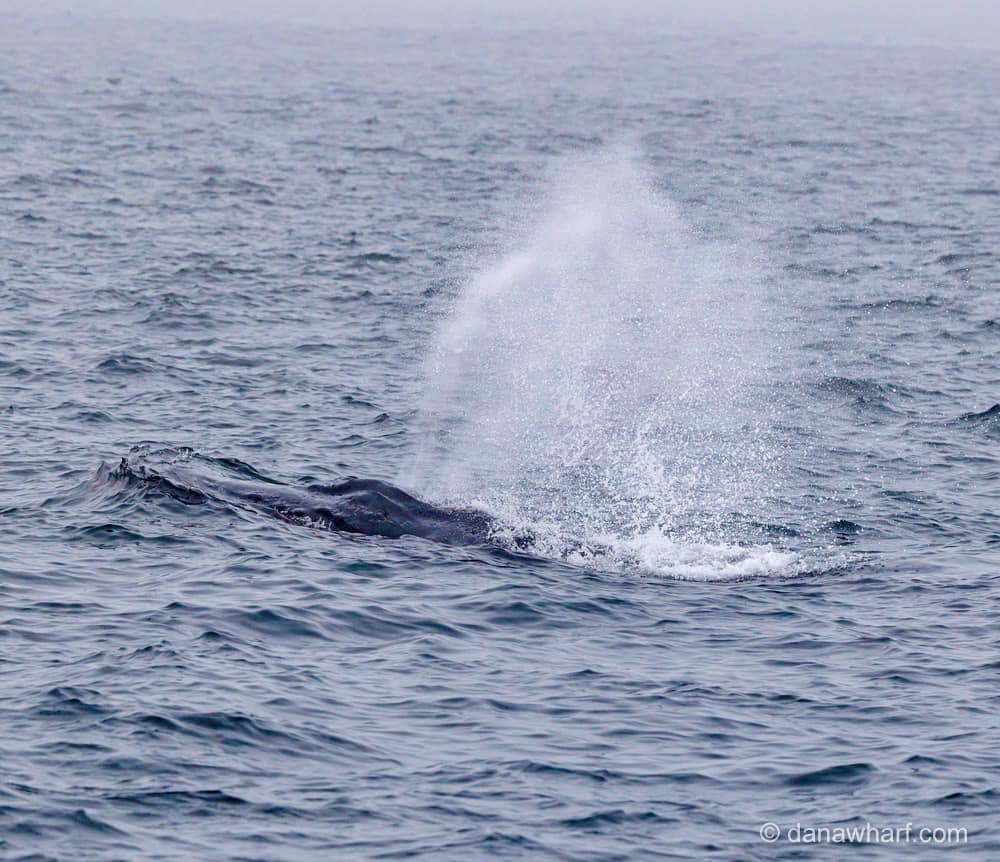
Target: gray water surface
(233, 247)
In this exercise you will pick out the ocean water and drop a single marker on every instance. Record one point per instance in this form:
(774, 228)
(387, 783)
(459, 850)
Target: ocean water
(703, 328)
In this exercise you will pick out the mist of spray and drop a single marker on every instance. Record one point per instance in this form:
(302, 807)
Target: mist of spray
(601, 385)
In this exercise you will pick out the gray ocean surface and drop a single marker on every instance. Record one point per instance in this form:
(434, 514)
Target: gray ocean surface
(708, 325)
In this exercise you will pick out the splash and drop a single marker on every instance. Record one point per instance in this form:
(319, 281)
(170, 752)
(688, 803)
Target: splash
(602, 385)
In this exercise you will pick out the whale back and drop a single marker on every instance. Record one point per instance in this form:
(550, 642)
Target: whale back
(363, 506)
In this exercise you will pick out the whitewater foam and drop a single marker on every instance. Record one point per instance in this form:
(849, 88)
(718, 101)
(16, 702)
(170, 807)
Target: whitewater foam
(655, 552)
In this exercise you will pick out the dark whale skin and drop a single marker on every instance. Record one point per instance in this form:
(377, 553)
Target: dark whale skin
(363, 506)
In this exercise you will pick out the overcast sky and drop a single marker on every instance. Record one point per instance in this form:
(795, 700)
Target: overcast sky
(976, 22)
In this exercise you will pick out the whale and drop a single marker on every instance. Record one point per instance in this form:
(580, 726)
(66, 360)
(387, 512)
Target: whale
(362, 506)
(366, 507)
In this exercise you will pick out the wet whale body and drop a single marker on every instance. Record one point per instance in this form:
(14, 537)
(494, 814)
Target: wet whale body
(364, 506)
(361, 506)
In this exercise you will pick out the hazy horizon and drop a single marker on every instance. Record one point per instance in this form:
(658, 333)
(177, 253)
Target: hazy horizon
(968, 22)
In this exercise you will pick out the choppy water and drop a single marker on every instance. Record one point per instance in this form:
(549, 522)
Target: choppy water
(709, 327)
